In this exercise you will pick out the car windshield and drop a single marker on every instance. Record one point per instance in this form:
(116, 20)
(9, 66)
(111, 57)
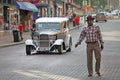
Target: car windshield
(53, 26)
(100, 14)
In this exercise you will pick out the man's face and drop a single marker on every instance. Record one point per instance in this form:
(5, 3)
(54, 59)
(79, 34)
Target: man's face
(90, 22)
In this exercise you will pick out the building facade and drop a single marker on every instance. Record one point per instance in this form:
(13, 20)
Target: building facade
(7, 13)
(19, 11)
(112, 4)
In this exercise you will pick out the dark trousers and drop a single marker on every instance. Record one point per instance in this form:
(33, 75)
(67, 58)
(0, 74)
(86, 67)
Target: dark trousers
(33, 34)
(73, 23)
(21, 36)
(93, 47)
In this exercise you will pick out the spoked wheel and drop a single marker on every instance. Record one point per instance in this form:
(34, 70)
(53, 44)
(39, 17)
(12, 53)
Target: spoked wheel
(70, 47)
(29, 49)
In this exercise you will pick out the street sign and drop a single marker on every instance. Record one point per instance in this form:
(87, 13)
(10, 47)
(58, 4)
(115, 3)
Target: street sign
(88, 7)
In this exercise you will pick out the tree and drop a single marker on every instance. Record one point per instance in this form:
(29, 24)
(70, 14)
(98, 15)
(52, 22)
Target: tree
(78, 2)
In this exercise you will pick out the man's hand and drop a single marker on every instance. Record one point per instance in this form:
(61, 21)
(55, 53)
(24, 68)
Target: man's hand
(77, 44)
(102, 47)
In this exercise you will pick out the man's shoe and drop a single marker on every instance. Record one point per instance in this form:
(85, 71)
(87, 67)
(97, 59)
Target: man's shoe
(90, 75)
(98, 74)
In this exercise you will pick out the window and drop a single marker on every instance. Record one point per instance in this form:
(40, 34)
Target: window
(52, 26)
(4, 1)
(0, 1)
(9, 1)
(12, 1)
(64, 25)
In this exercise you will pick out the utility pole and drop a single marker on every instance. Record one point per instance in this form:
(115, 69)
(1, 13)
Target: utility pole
(84, 6)
(48, 8)
(89, 3)
(55, 8)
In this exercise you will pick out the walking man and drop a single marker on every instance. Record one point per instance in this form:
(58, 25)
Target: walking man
(94, 43)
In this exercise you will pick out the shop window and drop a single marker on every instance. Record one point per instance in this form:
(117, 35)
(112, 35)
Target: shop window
(9, 1)
(69, 1)
(12, 1)
(45, 1)
(4, 1)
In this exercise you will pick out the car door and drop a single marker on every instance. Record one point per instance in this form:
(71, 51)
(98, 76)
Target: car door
(63, 31)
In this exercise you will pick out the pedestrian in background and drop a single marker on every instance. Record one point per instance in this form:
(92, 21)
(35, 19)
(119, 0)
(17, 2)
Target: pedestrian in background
(14, 26)
(94, 42)
(15, 31)
(76, 20)
(1, 23)
(73, 16)
(68, 16)
(20, 27)
(33, 29)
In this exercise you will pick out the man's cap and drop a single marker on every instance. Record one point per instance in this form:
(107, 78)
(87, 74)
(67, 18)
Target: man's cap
(89, 17)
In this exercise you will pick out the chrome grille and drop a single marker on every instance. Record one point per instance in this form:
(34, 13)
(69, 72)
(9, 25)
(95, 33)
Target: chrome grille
(44, 40)
(44, 37)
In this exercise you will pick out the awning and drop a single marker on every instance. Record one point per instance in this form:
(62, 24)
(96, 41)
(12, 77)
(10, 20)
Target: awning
(26, 6)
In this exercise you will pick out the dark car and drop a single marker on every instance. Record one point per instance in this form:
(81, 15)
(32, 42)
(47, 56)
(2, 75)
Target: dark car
(100, 17)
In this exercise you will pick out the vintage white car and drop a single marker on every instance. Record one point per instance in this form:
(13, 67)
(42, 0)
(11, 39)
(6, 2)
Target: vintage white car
(52, 35)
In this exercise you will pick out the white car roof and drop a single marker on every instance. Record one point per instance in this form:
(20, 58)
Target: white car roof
(51, 19)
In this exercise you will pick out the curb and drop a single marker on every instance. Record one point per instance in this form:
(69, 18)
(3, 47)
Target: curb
(12, 44)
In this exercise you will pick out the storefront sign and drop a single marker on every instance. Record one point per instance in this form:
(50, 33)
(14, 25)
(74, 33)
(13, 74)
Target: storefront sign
(34, 1)
(22, 0)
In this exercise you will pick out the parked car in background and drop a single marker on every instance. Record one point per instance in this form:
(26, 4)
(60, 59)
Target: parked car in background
(93, 15)
(115, 12)
(100, 17)
(108, 14)
(52, 35)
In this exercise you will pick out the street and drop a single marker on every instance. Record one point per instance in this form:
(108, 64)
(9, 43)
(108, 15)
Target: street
(16, 65)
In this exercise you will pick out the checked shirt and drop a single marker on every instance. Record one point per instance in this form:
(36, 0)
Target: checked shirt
(91, 33)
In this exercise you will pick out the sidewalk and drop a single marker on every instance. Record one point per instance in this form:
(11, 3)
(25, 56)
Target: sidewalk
(6, 38)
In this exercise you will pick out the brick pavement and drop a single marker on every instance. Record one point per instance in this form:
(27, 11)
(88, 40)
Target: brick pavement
(110, 63)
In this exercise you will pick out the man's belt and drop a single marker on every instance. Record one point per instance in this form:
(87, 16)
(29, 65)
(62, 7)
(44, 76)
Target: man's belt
(91, 42)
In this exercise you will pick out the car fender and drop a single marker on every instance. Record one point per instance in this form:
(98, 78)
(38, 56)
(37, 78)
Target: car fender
(30, 42)
(68, 39)
(56, 44)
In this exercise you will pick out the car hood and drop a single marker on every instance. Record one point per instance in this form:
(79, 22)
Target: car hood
(48, 32)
